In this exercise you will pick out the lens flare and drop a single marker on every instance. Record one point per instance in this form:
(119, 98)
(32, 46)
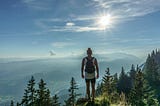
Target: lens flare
(104, 21)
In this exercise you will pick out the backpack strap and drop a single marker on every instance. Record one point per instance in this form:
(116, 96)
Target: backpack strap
(86, 59)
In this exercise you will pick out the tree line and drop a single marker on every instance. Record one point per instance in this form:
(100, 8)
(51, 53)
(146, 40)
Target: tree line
(42, 96)
(138, 87)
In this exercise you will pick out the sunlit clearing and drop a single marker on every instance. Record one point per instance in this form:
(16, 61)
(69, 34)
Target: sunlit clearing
(105, 21)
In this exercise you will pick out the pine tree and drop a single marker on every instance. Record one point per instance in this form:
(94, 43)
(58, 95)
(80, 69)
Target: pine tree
(152, 71)
(73, 95)
(115, 95)
(29, 97)
(12, 103)
(136, 95)
(132, 74)
(107, 82)
(41, 93)
(25, 99)
(55, 101)
(109, 86)
(124, 84)
(47, 98)
(141, 94)
(31, 91)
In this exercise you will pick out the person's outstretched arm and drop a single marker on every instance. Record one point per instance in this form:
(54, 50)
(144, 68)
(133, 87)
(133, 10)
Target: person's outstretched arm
(97, 68)
(82, 69)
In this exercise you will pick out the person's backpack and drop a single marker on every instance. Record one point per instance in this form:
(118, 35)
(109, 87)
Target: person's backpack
(90, 67)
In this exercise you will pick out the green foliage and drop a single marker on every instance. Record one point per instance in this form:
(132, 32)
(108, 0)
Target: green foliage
(124, 83)
(55, 101)
(36, 97)
(132, 74)
(25, 98)
(48, 98)
(43, 94)
(73, 95)
(109, 86)
(104, 102)
(31, 92)
(141, 94)
(152, 71)
(123, 100)
(107, 82)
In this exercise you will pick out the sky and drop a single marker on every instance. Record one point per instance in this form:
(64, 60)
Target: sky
(39, 28)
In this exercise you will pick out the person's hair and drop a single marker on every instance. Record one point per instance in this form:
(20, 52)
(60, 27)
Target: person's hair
(89, 51)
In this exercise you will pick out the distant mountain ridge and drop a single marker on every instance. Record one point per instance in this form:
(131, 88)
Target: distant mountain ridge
(55, 71)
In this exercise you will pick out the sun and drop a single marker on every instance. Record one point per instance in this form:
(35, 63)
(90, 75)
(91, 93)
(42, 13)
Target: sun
(104, 21)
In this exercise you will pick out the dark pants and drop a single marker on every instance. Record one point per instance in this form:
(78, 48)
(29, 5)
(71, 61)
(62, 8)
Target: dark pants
(92, 81)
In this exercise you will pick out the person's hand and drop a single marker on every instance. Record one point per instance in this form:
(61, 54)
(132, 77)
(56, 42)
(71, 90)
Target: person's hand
(97, 76)
(83, 76)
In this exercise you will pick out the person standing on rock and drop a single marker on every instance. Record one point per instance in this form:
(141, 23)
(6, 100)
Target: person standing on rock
(90, 72)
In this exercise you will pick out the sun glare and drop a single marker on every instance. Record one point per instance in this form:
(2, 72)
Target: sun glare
(104, 21)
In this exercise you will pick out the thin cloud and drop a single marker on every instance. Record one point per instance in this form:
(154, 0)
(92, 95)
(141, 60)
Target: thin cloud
(76, 29)
(84, 18)
(126, 41)
(37, 4)
(47, 24)
(117, 44)
(87, 29)
(70, 24)
(62, 44)
(129, 8)
(122, 10)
